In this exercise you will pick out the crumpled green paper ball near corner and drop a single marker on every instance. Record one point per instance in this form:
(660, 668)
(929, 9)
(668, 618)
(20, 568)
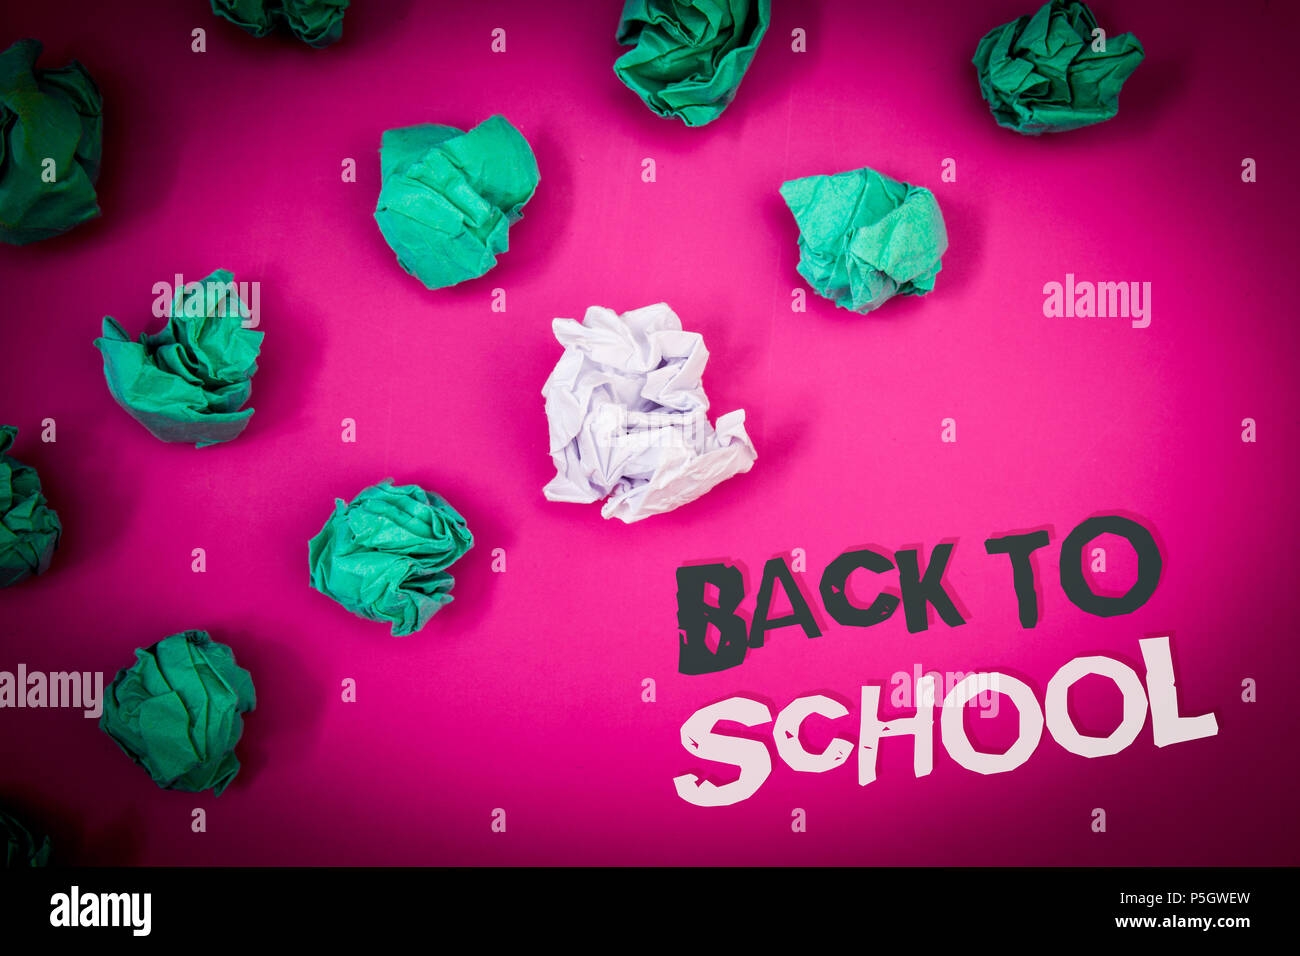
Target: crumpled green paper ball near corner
(46, 114)
(864, 238)
(1040, 74)
(689, 56)
(29, 528)
(318, 23)
(23, 848)
(176, 711)
(384, 556)
(187, 383)
(449, 198)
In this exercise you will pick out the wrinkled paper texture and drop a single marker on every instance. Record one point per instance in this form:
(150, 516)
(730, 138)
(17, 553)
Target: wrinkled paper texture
(865, 238)
(628, 415)
(176, 711)
(29, 528)
(385, 555)
(689, 56)
(189, 382)
(46, 114)
(449, 198)
(317, 23)
(1040, 74)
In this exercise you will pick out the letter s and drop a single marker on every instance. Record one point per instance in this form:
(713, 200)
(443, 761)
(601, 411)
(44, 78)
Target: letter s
(751, 756)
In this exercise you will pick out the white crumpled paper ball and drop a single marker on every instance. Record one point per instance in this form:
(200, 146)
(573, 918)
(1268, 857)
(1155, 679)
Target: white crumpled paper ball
(628, 415)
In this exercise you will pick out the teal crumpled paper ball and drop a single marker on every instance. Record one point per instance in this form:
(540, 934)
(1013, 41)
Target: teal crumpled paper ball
(23, 848)
(1040, 74)
(865, 238)
(317, 23)
(47, 115)
(449, 198)
(29, 528)
(189, 382)
(689, 56)
(384, 555)
(176, 711)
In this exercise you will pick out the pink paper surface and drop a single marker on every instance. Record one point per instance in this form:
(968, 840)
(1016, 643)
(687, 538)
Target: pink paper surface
(525, 693)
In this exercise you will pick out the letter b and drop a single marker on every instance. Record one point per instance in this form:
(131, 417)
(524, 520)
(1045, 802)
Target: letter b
(694, 618)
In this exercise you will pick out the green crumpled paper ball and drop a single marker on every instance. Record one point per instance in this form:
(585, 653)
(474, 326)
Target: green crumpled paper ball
(190, 381)
(689, 56)
(46, 114)
(864, 238)
(1040, 74)
(317, 23)
(384, 556)
(29, 528)
(176, 711)
(449, 198)
(22, 847)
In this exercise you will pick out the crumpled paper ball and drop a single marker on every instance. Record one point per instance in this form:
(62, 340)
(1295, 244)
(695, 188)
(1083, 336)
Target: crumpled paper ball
(317, 23)
(689, 56)
(190, 381)
(629, 418)
(46, 114)
(864, 238)
(1040, 74)
(22, 847)
(449, 198)
(385, 555)
(29, 528)
(176, 711)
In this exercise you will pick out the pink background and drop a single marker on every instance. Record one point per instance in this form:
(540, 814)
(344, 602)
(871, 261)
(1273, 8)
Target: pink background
(525, 693)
